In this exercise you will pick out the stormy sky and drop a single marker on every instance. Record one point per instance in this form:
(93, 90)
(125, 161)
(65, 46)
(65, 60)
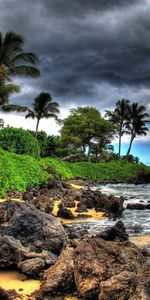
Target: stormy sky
(92, 52)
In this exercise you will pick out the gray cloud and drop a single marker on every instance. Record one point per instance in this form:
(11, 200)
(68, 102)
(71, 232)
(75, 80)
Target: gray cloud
(85, 47)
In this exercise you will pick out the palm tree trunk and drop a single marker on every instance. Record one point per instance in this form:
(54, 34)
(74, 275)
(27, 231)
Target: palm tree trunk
(120, 135)
(130, 145)
(37, 126)
(119, 154)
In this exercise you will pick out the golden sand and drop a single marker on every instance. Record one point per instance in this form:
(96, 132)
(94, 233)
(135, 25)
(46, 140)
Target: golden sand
(10, 280)
(76, 186)
(140, 240)
(91, 212)
(17, 200)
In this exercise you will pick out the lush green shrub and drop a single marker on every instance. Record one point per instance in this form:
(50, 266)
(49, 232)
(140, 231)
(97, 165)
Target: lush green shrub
(19, 171)
(19, 141)
(107, 171)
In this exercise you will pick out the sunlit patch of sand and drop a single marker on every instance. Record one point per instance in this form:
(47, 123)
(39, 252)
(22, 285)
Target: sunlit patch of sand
(76, 186)
(10, 280)
(91, 212)
(141, 240)
(15, 199)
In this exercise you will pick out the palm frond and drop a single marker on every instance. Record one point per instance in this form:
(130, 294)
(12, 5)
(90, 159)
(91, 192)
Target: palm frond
(26, 71)
(13, 107)
(30, 114)
(7, 90)
(24, 58)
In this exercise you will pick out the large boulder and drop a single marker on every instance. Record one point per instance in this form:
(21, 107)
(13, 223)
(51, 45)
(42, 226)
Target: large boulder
(59, 278)
(34, 229)
(97, 261)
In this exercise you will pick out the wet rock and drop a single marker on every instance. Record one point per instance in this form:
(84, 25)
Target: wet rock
(65, 213)
(115, 233)
(137, 206)
(59, 279)
(33, 228)
(32, 266)
(97, 260)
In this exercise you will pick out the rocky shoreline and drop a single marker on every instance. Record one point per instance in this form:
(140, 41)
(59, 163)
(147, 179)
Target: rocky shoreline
(36, 242)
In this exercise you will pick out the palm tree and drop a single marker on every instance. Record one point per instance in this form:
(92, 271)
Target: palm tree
(6, 90)
(136, 124)
(42, 107)
(119, 116)
(14, 61)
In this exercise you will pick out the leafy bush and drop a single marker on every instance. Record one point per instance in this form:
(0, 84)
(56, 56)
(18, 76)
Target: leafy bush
(19, 171)
(19, 141)
(107, 171)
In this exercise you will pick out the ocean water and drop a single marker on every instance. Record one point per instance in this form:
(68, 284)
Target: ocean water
(137, 222)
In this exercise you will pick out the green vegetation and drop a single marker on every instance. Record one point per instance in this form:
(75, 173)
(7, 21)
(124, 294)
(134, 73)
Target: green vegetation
(85, 127)
(19, 141)
(14, 61)
(113, 170)
(19, 171)
(130, 119)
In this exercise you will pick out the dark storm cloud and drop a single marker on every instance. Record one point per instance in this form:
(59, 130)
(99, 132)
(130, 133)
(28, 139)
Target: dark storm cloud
(83, 45)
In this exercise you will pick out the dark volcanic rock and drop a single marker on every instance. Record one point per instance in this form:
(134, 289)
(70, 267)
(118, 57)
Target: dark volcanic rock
(101, 202)
(137, 206)
(8, 295)
(64, 213)
(116, 232)
(43, 203)
(59, 279)
(11, 252)
(35, 229)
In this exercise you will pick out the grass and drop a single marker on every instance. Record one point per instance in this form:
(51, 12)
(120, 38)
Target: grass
(17, 172)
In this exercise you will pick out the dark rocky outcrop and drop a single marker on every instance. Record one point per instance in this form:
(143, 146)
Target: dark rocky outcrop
(8, 295)
(114, 233)
(112, 205)
(33, 228)
(138, 206)
(65, 213)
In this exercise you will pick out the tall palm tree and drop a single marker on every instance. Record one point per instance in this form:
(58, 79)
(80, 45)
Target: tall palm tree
(119, 116)
(42, 107)
(14, 61)
(137, 123)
